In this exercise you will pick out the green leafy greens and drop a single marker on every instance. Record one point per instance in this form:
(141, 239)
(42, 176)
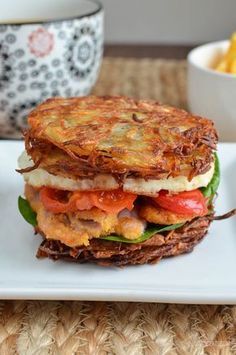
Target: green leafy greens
(211, 188)
(149, 232)
(26, 211)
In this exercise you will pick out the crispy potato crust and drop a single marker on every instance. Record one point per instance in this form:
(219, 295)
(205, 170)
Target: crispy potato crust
(80, 137)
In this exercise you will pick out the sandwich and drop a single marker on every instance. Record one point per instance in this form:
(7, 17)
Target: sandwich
(117, 181)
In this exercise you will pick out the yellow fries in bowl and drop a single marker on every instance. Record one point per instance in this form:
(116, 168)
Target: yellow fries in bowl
(211, 91)
(228, 62)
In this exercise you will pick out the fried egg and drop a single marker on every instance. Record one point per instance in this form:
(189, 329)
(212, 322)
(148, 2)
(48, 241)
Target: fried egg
(40, 177)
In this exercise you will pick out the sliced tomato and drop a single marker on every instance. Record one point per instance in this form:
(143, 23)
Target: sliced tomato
(82, 200)
(187, 202)
(57, 201)
(113, 201)
(51, 200)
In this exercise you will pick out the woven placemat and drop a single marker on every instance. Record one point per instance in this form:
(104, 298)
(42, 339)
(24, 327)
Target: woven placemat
(158, 79)
(65, 328)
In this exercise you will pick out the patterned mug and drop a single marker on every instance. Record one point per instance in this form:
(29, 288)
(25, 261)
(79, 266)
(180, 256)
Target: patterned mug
(47, 48)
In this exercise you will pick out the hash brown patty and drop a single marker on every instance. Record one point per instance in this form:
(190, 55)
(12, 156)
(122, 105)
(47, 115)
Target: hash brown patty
(108, 253)
(81, 137)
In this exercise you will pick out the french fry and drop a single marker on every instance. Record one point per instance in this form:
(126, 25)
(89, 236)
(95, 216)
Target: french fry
(222, 66)
(228, 62)
(233, 67)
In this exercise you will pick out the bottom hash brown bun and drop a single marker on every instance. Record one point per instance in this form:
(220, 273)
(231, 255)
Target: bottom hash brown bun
(108, 253)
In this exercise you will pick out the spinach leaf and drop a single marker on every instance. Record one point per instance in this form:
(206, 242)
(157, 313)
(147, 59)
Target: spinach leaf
(26, 211)
(149, 232)
(211, 188)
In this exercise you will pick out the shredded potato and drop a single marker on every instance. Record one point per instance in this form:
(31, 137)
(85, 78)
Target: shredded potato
(126, 138)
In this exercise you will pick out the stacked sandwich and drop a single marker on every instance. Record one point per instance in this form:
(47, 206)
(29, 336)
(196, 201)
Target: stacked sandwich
(116, 181)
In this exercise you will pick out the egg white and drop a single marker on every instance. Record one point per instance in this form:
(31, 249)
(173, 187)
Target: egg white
(40, 177)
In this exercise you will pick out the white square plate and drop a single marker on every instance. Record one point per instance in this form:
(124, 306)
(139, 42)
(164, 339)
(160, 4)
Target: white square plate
(207, 275)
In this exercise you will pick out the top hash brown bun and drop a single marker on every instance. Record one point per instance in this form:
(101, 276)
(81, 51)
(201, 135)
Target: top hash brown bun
(81, 137)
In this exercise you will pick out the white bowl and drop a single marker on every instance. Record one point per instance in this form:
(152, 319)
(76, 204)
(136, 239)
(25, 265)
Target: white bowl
(47, 48)
(211, 93)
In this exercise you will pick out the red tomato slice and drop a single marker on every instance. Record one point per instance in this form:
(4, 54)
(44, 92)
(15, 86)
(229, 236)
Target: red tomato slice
(82, 200)
(113, 201)
(51, 200)
(187, 202)
(57, 201)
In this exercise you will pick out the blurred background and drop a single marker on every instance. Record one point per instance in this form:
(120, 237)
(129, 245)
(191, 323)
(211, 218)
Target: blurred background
(159, 23)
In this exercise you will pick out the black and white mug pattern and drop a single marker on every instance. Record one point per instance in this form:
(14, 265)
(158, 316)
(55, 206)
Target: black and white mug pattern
(38, 61)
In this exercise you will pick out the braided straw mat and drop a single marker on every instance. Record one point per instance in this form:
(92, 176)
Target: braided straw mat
(65, 328)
